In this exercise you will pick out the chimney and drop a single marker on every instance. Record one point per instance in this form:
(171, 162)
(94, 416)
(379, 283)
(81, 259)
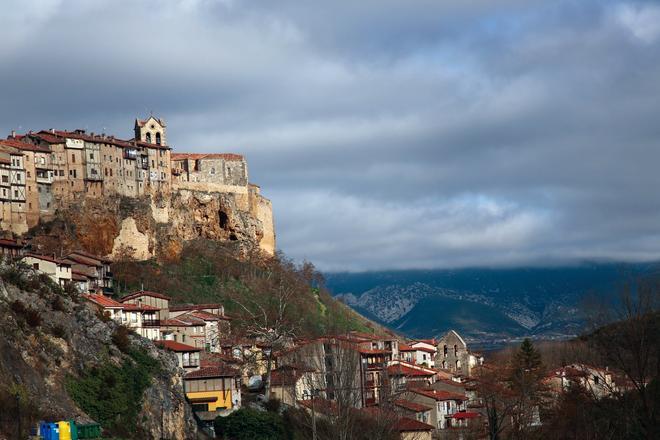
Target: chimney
(13, 134)
(52, 130)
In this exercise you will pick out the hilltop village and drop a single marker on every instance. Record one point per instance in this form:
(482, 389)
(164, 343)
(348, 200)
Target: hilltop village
(50, 170)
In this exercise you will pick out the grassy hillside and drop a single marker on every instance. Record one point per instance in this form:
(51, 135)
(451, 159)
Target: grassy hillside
(212, 272)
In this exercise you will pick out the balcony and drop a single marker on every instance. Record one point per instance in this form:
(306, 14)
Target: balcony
(151, 322)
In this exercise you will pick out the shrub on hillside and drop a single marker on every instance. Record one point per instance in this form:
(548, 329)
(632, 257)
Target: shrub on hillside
(59, 331)
(120, 338)
(249, 424)
(58, 304)
(112, 395)
(31, 316)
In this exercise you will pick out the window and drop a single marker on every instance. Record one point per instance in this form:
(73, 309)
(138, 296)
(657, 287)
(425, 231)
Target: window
(91, 156)
(61, 173)
(5, 179)
(212, 170)
(73, 158)
(35, 266)
(148, 137)
(455, 350)
(28, 174)
(157, 138)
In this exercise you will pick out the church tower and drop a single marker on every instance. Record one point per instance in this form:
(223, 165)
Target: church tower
(151, 131)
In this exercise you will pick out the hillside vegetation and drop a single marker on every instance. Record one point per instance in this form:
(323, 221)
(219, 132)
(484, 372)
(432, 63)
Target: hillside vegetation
(211, 272)
(59, 360)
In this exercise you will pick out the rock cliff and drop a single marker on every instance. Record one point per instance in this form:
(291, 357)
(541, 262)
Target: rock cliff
(158, 225)
(49, 339)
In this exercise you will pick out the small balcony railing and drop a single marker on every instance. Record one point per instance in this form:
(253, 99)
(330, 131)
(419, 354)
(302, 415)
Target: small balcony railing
(151, 322)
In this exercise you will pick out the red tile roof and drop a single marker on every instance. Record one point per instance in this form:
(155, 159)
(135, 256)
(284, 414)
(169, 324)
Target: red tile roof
(48, 258)
(9, 243)
(92, 256)
(144, 293)
(104, 301)
(438, 394)
(175, 346)
(466, 415)
(404, 370)
(175, 322)
(407, 424)
(210, 372)
(185, 307)
(48, 137)
(412, 406)
(22, 145)
(404, 347)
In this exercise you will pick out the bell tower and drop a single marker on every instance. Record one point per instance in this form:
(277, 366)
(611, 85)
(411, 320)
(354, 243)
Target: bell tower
(151, 131)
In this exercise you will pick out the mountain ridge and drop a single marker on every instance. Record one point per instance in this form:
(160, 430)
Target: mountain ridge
(543, 302)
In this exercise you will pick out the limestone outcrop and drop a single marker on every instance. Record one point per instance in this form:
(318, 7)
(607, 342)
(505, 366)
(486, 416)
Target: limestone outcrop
(157, 225)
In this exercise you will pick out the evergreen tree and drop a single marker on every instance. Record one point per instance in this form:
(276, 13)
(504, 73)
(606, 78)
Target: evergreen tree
(526, 383)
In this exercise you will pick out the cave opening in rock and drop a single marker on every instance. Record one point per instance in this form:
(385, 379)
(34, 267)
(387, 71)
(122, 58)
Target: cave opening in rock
(233, 237)
(224, 219)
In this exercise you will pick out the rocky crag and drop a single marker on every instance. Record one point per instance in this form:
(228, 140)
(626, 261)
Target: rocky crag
(157, 225)
(49, 340)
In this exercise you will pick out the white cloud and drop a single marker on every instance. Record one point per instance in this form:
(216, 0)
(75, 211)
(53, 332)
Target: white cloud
(642, 21)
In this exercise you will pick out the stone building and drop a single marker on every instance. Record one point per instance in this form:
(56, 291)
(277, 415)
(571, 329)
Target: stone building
(53, 169)
(453, 354)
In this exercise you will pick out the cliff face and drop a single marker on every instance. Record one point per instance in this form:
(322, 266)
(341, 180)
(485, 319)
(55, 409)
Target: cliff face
(47, 339)
(158, 225)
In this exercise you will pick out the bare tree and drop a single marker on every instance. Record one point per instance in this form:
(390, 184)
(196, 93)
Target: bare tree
(626, 334)
(267, 302)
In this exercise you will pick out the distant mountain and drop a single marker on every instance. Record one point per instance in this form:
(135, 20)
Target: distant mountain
(483, 304)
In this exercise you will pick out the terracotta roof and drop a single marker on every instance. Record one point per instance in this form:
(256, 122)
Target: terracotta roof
(9, 243)
(78, 276)
(404, 347)
(22, 145)
(139, 308)
(426, 349)
(371, 351)
(426, 341)
(405, 370)
(412, 406)
(141, 122)
(92, 256)
(206, 316)
(184, 307)
(198, 156)
(438, 394)
(407, 424)
(466, 415)
(176, 322)
(84, 260)
(144, 293)
(175, 346)
(48, 137)
(209, 372)
(104, 301)
(48, 258)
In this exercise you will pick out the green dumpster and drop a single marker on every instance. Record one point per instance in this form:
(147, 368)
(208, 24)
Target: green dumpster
(74, 430)
(89, 431)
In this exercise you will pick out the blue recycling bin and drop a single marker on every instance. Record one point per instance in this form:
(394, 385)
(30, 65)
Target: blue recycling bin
(49, 431)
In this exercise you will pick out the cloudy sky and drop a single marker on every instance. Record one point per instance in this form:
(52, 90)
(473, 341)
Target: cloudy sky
(388, 134)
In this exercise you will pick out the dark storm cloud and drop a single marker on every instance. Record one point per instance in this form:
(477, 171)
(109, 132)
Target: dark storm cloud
(387, 133)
